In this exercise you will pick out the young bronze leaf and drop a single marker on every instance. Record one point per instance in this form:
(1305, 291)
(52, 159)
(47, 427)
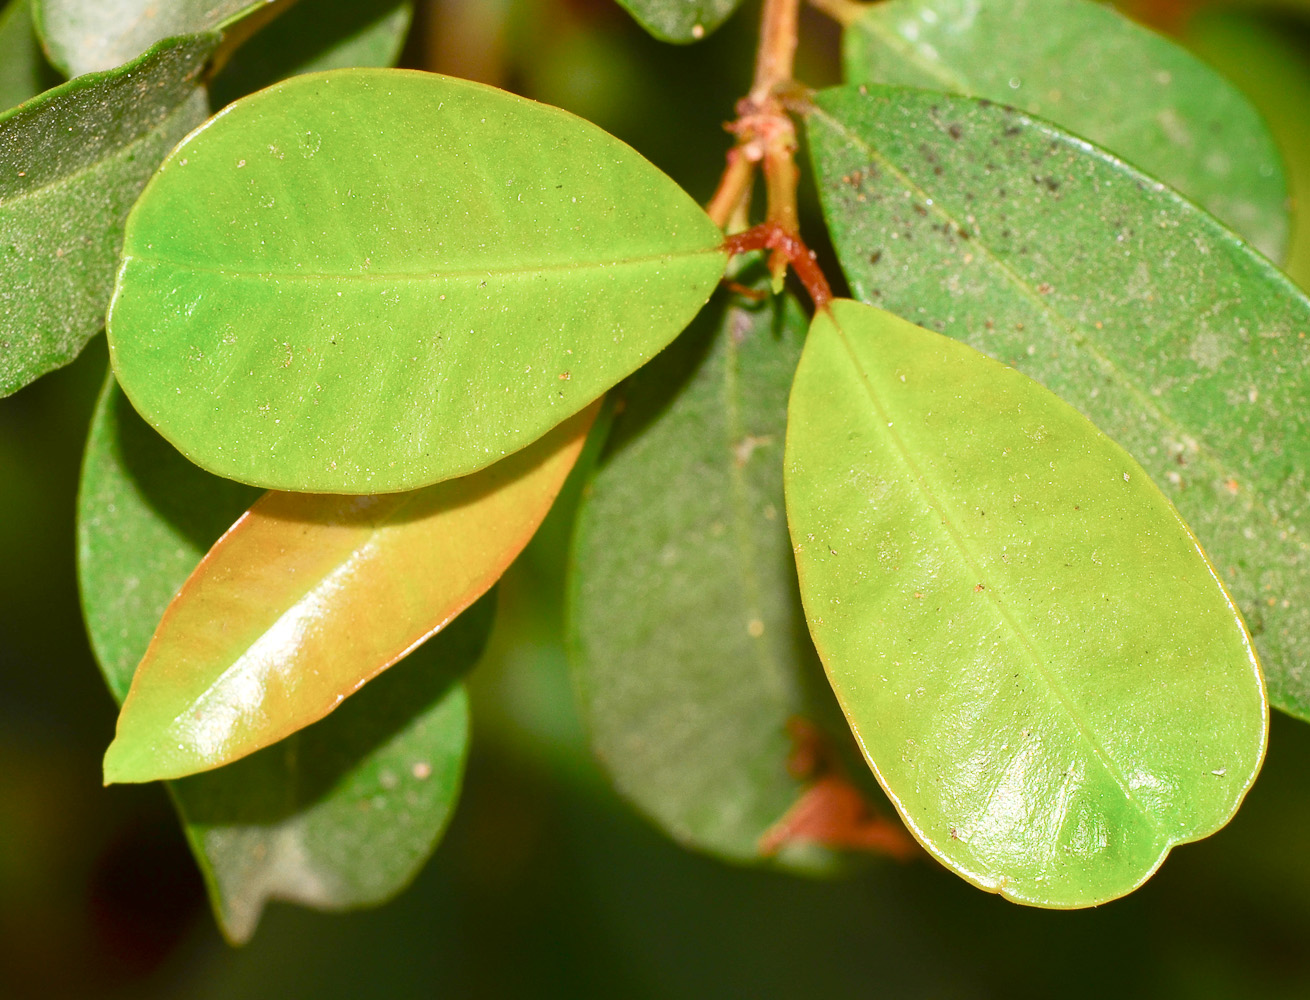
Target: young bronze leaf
(310, 596)
(372, 280)
(72, 162)
(1172, 335)
(343, 813)
(90, 36)
(680, 20)
(688, 644)
(1087, 68)
(1040, 663)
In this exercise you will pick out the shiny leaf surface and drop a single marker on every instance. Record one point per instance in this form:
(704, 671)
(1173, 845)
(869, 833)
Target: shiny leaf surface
(1087, 68)
(309, 596)
(90, 36)
(72, 162)
(372, 280)
(1038, 660)
(314, 36)
(1176, 339)
(23, 69)
(339, 815)
(688, 644)
(680, 20)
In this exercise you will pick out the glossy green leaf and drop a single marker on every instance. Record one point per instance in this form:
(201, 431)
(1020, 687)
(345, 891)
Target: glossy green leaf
(340, 815)
(1039, 662)
(1090, 70)
(372, 280)
(90, 36)
(687, 641)
(316, 35)
(680, 20)
(1174, 337)
(24, 72)
(310, 596)
(72, 162)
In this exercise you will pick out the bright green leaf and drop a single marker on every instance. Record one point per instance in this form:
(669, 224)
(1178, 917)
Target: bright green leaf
(310, 596)
(680, 20)
(24, 72)
(313, 36)
(340, 815)
(72, 162)
(1174, 337)
(688, 644)
(1038, 660)
(1090, 70)
(372, 280)
(89, 36)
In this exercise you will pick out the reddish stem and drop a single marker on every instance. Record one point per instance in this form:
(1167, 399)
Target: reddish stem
(771, 236)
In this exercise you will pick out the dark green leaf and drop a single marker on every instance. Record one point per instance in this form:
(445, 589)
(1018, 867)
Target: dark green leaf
(24, 72)
(1174, 337)
(680, 20)
(88, 36)
(1039, 662)
(72, 162)
(312, 36)
(372, 280)
(343, 813)
(1087, 68)
(688, 643)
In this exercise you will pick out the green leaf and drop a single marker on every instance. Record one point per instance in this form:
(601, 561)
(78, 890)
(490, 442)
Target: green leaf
(1087, 68)
(72, 162)
(340, 815)
(688, 644)
(89, 36)
(372, 280)
(312, 37)
(1039, 662)
(310, 596)
(24, 72)
(1174, 337)
(680, 20)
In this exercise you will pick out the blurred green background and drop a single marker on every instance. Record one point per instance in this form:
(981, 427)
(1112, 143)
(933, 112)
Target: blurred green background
(546, 885)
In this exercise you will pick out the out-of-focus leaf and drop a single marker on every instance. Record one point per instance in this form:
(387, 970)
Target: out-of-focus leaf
(72, 162)
(1039, 662)
(1174, 337)
(24, 72)
(340, 815)
(372, 280)
(310, 596)
(89, 36)
(1272, 65)
(1092, 71)
(688, 644)
(680, 20)
(316, 35)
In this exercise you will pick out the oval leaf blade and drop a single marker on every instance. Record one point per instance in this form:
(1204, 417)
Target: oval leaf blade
(88, 36)
(1152, 102)
(308, 597)
(372, 280)
(687, 642)
(1173, 336)
(680, 20)
(1040, 663)
(342, 814)
(72, 162)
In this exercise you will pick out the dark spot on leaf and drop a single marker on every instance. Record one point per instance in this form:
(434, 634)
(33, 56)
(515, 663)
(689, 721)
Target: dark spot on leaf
(875, 256)
(955, 132)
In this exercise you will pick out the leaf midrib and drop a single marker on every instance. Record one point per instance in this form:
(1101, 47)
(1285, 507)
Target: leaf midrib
(1073, 335)
(454, 274)
(949, 522)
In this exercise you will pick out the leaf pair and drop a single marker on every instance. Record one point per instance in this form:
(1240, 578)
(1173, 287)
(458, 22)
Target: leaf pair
(342, 814)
